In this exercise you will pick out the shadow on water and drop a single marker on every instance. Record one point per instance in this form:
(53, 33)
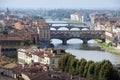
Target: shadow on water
(89, 47)
(78, 46)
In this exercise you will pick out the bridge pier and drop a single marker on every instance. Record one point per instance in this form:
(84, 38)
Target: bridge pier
(64, 41)
(85, 41)
(69, 29)
(80, 28)
(56, 29)
(68, 24)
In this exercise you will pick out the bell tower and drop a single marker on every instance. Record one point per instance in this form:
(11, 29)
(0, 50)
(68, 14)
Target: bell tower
(7, 13)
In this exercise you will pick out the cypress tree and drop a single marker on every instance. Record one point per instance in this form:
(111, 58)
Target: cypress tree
(72, 67)
(90, 72)
(105, 71)
(86, 68)
(81, 67)
(97, 70)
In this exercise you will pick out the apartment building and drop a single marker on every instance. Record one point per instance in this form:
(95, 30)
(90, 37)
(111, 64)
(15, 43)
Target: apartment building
(28, 55)
(77, 17)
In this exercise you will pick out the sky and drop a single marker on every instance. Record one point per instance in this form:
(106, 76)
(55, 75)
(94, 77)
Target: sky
(67, 4)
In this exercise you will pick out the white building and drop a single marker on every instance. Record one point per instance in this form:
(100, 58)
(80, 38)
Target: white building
(116, 30)
(77, 17)
(37, 55)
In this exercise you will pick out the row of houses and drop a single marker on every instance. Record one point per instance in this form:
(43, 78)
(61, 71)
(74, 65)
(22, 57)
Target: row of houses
(34, 64)
(29, 55)
(35, 72)
(111, 25)
(18, 72)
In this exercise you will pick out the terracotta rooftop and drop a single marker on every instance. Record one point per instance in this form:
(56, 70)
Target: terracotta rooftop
(2, 63)
(36, 72)
(10, 66)
(43, 53)
(10, 38)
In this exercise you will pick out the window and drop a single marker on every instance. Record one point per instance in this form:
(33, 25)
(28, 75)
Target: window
(53, 61)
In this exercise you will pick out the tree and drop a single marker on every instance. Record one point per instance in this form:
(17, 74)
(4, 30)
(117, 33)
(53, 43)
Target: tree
(86, 68)
(72, 67)
(81, 66)
(90, 72)
(97, 70)
(68, 63)
(93, 71)
(63, 61)
(77, 67)
(105, 71)
(115, 75)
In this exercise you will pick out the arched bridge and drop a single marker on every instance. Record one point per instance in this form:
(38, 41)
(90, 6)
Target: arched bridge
(69, 26)
(83, 35)
(68, 23)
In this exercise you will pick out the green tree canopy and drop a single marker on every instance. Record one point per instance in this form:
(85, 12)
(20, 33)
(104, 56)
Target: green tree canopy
(90, 72)
(105, 71)
(86, 68)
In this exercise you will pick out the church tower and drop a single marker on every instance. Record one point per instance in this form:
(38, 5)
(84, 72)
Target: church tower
(7, 14)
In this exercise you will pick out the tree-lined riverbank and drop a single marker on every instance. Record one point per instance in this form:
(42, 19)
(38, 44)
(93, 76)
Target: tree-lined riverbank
(88, 69)
(109, 48)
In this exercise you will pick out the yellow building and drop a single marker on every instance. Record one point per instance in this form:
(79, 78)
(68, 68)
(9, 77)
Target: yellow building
(19, 25)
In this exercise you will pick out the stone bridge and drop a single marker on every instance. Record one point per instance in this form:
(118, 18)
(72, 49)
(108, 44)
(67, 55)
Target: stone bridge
(84, 35)
(69, 26)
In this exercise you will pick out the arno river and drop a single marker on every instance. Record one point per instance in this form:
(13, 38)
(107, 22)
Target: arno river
(88, 51)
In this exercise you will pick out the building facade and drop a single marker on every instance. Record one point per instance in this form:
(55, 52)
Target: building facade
(30, 55)
(77, 17)
(9, 45)
(110, 25)
(43, 31)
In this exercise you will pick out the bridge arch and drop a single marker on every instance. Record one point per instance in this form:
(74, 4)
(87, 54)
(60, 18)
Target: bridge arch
(83, 35)
(65, 41)
(88, 40)
(91, 41)
(52, 28)
(74, 40)
(56, 40)
(63, 28)
(75, 29)
(85, 28)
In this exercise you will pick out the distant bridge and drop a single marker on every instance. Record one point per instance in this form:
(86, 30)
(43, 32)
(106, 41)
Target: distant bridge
(83, 35)
(69, 26)
(68, 23)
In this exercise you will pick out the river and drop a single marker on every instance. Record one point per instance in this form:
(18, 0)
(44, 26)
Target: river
(88, 51)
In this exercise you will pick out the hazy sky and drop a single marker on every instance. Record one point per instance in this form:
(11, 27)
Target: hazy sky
(94, 4)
